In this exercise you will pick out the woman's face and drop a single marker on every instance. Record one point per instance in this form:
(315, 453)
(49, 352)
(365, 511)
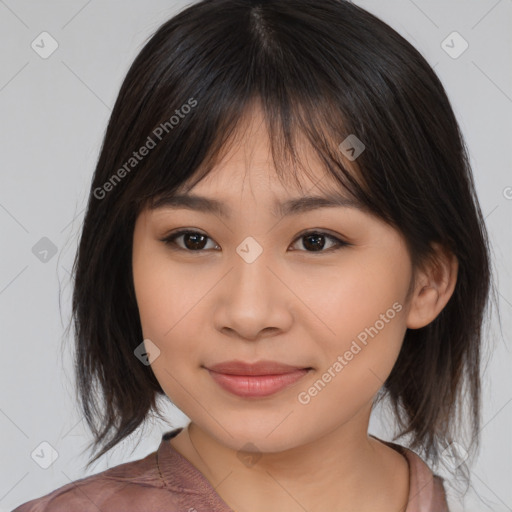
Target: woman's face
(253, 285)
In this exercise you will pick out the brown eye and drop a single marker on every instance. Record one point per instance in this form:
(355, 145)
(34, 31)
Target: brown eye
(193, 241)
(315, 241)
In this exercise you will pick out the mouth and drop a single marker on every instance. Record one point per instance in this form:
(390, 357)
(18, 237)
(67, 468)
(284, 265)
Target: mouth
(260, 368)
(256, 380)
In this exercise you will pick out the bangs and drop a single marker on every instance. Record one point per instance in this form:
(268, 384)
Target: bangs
(303, 98)
(290, 137)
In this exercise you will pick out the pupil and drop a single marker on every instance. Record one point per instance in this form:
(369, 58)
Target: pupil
(195, 244)
(315, 244)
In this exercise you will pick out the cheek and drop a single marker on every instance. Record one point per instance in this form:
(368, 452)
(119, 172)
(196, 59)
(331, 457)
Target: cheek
(356, 362)
(154, 299)
(169, 299)
(360, 317)
(344, 300)
(160, 298)
(164, 293)
(166, 312)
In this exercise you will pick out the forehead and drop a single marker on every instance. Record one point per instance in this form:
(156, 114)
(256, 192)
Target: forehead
(239, 179)
(251, 170)
(247, 162)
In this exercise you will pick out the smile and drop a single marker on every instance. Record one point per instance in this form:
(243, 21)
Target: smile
(256, 386)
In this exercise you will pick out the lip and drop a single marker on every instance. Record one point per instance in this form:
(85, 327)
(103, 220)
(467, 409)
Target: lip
(264, 367)
(255, 380)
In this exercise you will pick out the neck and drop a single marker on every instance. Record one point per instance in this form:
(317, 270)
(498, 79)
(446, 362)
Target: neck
(343, 470)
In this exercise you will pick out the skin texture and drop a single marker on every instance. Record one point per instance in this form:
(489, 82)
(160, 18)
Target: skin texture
(293, 305)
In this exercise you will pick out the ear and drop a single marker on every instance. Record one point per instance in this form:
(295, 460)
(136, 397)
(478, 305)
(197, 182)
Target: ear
(434, 287)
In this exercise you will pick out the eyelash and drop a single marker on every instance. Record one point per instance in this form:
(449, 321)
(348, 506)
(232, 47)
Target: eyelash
(170, 240)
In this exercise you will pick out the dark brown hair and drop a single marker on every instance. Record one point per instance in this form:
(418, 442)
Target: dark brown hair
(324, 70)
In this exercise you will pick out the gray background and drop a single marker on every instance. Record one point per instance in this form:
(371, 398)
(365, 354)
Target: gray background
(54, 112)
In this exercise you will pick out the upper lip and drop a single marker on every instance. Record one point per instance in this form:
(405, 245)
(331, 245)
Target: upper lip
(235, 367)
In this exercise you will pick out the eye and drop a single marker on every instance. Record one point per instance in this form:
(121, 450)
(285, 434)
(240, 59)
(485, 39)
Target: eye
(315, 240)
(195, 241)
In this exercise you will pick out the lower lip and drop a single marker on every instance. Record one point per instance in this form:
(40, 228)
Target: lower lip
(256, 386)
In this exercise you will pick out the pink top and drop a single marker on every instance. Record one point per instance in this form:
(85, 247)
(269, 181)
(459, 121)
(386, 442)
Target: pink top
(166, 481)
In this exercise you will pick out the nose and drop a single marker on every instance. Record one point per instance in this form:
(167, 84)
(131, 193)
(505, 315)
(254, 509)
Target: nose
(252, 302)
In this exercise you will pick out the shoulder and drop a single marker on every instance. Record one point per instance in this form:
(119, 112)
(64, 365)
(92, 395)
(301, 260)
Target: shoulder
(426, 489)
(129, 486)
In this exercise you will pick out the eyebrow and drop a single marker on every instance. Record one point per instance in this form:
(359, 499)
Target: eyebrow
(293, 206)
